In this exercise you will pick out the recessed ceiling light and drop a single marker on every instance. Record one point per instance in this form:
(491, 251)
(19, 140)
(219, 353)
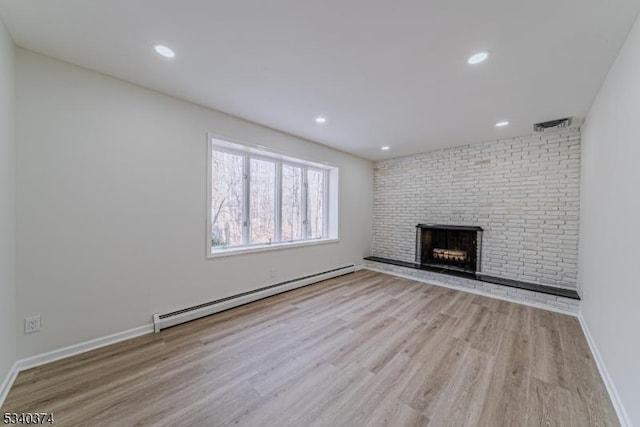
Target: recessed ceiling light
(385, 148)
(478, 58)
(164, 51)
(501, 124)
(321, 119)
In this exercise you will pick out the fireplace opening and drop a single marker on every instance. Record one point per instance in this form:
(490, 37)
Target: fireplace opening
(451, 247)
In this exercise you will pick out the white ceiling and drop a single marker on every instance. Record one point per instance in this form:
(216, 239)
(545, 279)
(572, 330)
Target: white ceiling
(383, 72)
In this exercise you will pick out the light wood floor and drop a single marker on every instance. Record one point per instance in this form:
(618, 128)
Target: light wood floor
(359, 350)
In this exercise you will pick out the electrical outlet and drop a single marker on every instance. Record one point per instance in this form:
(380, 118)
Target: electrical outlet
(31, 324)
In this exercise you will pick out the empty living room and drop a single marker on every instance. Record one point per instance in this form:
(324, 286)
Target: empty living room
(340, 213)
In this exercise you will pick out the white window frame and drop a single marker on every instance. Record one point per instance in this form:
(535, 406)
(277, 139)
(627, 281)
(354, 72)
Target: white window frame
(330, 209)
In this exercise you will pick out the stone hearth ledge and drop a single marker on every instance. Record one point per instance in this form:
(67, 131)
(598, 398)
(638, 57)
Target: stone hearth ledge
(535, 299)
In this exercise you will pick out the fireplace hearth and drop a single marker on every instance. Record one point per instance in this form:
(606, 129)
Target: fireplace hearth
(456, 250)
(449, 247)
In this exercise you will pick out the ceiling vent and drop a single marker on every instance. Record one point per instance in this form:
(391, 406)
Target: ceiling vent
(552, 124)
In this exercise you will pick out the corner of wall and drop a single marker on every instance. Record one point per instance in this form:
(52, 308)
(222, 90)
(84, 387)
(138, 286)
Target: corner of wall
(8, 326)
(608, 250)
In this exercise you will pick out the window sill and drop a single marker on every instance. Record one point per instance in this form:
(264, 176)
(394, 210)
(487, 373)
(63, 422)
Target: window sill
(272, 247)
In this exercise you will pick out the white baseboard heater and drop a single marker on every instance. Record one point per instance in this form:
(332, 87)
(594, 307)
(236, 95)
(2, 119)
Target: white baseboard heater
(162, 321)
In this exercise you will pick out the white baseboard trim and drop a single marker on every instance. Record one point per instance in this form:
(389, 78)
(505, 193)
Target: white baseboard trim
(359, 267)
(606, 378)
(62, 353)
(83, 347)
(72, 350)
(8, 382)
(474, 291)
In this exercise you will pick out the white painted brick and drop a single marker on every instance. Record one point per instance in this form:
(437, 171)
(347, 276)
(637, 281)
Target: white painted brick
(524, 192)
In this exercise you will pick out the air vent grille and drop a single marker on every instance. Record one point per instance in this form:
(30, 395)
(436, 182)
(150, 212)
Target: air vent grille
(552, 124)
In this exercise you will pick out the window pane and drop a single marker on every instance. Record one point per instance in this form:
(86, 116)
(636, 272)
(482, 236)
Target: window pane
(315, 203)
(262, 200)
(291, 203)
(226, 199)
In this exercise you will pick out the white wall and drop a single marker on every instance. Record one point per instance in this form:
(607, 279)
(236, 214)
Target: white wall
(7, 206)
(111, 205)
(609, 232)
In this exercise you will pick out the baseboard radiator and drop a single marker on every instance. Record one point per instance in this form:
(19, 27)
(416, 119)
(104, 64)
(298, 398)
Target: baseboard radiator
(162, 321)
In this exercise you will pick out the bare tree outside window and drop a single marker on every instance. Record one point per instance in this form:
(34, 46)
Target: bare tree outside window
(315, 201)
(291, 203)
(226, 199)
(262, 200)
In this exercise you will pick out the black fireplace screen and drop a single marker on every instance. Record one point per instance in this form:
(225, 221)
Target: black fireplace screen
(451, 247)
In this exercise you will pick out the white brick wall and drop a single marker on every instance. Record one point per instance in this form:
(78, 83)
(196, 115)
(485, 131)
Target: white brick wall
(524, 193)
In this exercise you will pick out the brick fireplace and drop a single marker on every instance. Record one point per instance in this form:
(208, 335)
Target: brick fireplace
(523, 192)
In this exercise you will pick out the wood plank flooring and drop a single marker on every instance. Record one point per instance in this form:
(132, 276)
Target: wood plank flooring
(365, 349)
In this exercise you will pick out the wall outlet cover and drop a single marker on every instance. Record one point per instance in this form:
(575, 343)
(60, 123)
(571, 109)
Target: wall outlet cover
(31, 324)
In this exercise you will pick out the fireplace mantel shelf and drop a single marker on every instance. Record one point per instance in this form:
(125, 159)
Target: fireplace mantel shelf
(450, 227)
